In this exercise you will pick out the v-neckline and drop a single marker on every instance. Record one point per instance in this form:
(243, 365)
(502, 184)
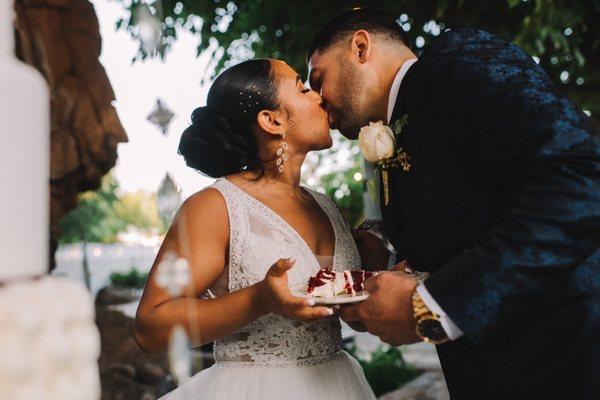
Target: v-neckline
(291, 228)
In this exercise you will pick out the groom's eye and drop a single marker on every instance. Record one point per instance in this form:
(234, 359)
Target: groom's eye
(306, 90)
(315, 84)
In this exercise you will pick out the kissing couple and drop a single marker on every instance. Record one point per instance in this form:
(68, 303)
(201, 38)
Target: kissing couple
(489, 180)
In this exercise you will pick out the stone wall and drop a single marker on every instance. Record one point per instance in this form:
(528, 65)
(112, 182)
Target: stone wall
(61, 38)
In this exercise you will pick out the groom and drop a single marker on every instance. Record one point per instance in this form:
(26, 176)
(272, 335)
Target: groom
(500, 202)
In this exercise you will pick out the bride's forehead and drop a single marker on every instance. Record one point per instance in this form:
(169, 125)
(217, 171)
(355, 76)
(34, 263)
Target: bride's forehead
(283, 70)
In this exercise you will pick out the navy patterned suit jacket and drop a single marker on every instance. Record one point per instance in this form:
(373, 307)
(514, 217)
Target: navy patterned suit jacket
(502, 206)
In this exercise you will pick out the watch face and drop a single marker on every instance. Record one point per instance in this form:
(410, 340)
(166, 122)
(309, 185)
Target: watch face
(431, 330)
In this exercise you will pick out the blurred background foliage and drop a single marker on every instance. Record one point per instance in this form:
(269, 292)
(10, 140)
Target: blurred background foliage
(347, 191)
(385, 369)
(564, 35)
(133, 279)
(102, 214)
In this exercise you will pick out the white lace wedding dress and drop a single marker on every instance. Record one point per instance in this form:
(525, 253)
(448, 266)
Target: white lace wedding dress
(275, 357)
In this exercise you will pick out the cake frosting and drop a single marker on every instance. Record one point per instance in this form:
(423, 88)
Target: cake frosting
(328, 283)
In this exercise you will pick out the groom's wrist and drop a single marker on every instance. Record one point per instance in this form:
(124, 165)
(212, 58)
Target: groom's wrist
(428, 325)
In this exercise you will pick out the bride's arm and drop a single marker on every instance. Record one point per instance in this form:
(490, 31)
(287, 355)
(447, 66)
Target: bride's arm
(200, 234)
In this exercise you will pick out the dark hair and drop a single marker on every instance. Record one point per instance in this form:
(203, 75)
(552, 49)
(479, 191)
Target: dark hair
(219, 141)
(372, 20)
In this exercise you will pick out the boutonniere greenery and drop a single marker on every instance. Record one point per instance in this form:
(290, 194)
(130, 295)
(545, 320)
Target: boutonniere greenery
(379, 146)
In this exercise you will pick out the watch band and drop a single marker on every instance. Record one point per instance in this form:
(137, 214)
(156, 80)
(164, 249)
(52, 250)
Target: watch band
(424, 315)
(420, 310)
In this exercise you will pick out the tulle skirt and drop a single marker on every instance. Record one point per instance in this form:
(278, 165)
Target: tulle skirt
(339, 377)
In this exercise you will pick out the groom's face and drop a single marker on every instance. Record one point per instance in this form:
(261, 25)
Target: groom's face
(341, 85)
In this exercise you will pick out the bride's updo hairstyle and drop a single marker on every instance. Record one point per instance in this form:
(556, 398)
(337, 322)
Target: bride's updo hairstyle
(220, 140)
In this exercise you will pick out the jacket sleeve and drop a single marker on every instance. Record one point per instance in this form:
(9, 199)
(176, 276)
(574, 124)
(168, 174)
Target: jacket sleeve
(509, 121)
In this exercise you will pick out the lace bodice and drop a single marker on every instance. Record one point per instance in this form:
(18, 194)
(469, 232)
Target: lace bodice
(258, 238)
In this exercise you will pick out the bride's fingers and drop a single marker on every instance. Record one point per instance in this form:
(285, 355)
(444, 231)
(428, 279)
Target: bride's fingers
(310, 313)
(298, 302)
(282, 266)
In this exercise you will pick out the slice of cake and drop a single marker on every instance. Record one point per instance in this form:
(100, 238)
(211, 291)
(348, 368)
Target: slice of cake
(327, 283)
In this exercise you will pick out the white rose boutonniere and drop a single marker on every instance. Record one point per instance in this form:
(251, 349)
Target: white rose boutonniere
(377, 143)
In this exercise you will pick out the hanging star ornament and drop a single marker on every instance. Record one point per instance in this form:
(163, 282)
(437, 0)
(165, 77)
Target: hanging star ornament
(161, 116)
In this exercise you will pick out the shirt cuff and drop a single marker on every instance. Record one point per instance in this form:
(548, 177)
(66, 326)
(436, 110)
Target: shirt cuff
(453, 331)
(391, 260)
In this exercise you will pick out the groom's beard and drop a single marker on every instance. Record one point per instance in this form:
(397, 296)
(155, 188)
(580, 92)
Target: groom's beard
(346, 114)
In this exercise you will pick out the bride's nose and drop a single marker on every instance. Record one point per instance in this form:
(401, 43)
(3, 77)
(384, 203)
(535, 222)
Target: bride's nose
(317, 97)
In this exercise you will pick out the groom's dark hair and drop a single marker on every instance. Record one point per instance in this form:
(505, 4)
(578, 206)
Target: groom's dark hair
(344, 24)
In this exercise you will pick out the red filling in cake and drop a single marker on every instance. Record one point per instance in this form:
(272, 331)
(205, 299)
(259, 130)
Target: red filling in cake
(327, 283)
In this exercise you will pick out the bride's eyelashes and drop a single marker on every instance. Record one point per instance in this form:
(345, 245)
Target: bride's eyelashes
(305, 90)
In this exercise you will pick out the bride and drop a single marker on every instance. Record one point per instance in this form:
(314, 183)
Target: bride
(248, 238)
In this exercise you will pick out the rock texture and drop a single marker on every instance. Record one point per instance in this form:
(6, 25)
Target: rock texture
(126, 372)
(61, 38)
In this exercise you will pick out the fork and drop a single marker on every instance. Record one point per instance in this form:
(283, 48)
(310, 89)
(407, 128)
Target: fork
(366, 225)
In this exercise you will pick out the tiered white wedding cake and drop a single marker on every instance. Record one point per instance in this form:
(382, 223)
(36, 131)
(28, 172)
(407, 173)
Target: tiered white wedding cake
(49, 344)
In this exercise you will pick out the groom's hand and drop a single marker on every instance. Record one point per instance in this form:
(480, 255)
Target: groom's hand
(373, 253)
(388, 311)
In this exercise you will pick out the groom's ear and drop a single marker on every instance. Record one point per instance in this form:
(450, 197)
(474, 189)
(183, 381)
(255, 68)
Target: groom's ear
(362, 45)
(270, 121)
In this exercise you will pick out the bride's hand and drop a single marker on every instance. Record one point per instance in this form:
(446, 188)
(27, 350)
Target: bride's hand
(274, 295)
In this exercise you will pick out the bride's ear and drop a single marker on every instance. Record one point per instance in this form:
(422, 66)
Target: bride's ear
(271, 122)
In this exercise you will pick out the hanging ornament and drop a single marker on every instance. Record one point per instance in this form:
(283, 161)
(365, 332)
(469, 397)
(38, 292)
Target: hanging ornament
(180, 355)
(168, 199)
(161, 116)
(173, 274)
(148, 29)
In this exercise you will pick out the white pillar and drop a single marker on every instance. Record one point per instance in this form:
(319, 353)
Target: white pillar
(24, 160)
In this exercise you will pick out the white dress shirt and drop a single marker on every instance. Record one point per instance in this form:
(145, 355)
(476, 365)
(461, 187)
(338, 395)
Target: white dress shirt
(453, 331)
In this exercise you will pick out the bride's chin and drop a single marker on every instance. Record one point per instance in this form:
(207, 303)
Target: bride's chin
(322, 146)
(327, 143)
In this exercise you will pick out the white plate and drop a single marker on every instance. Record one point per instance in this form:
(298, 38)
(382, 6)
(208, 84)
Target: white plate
(339, 299)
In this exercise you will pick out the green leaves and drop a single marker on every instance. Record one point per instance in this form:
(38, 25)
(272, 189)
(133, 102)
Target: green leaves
(514, 3)
(132, 279)
(346, 192)
(386, 370)
(101, 215)
(94, 219)
(286, 32)
(399, 124)
(373, 188)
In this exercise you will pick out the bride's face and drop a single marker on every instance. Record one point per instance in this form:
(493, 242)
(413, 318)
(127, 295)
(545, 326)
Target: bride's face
(307, 122)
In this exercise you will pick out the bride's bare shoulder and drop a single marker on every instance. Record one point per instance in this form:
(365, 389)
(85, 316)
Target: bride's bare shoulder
(204, 209)
(208, 198)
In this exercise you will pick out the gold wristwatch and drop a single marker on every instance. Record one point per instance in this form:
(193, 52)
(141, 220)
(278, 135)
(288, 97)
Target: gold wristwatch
(428, 324)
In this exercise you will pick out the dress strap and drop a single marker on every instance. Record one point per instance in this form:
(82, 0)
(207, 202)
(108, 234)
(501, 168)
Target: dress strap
(238, 229)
